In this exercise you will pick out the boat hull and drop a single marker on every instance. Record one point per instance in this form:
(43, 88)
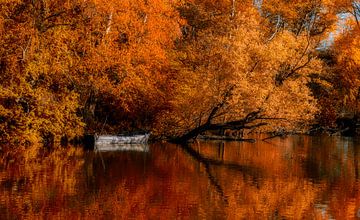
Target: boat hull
(122, 139)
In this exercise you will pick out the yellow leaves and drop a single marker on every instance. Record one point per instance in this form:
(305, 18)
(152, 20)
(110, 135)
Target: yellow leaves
(238, 53)
(292, 101)
(83, 60)
(311, 17)
(348, 47)
(346, 69)
(69, 55)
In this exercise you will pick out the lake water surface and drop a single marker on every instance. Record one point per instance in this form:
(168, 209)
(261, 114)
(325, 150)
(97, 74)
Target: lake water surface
(294, 177)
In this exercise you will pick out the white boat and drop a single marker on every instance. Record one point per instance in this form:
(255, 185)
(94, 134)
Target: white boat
(122, 139)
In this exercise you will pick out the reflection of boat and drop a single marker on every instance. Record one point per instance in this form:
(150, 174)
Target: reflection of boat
(122, 147)
(122, 139)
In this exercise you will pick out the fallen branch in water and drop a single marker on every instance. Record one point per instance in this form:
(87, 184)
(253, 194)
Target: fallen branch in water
(225, 138)
(246, 123)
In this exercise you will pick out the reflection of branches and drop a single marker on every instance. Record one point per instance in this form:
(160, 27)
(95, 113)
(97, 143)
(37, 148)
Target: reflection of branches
(356, 161)
(233, 166)
(215, 183)
(208, 162)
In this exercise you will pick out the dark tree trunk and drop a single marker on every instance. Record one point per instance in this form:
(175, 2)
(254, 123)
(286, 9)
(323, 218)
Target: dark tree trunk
(246, 123)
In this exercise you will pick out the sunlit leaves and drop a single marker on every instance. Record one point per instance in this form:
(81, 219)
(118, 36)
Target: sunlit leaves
(70, 62)
(69, 67)
(347, 69)
(226, 53)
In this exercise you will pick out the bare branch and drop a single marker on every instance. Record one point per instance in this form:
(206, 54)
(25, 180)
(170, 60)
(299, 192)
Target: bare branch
(244, 123)
(276, 28)
(224, 100)
(108, 25)
(56, 14)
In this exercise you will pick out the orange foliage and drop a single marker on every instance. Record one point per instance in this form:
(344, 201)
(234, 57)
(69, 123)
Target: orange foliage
(74, 67)
(70, 64)
(348, 67)
(233, 55)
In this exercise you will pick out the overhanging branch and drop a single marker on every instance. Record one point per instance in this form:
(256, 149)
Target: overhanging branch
(245, 123)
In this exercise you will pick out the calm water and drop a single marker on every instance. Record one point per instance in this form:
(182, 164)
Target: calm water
(296, 177)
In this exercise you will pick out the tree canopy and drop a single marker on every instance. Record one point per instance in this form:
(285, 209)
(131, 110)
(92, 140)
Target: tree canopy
(171, 67)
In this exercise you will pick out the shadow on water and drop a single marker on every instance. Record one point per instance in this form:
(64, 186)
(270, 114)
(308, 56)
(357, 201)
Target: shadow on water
(255, 173)
(327, 158)
(114, 166)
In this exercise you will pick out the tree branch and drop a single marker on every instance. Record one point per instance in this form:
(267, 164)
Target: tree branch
(225, 98)
(244, 123)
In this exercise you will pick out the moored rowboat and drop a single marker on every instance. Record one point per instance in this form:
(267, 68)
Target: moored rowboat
(122, 139)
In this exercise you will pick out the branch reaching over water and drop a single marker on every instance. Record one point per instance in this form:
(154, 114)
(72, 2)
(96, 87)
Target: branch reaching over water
(246, 123)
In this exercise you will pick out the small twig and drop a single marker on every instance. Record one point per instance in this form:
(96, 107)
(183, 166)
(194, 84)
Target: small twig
(276, 28)
(103, 125)
(271, 137)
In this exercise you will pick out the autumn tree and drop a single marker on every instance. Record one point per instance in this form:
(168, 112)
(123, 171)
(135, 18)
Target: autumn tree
(70, 65)
(243, 69)
(339, 101)
(35, 100)
(173, 67)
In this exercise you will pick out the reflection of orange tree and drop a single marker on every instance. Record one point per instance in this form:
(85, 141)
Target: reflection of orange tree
(169, 189)
(244, 181)
(174, 189)
(38, 188)
(289, 198)
(341, 171)
(254, 184)
(345, 202)
(249, 194)
(283, 188)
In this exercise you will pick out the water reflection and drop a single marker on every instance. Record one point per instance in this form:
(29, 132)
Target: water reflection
(295, 177)
(122, 147)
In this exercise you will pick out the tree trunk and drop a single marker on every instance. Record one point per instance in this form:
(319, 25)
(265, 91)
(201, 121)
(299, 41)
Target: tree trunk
(246, 123)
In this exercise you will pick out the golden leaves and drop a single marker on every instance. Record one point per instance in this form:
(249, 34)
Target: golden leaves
(68, 56)
(268, 74)
(71, 64)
